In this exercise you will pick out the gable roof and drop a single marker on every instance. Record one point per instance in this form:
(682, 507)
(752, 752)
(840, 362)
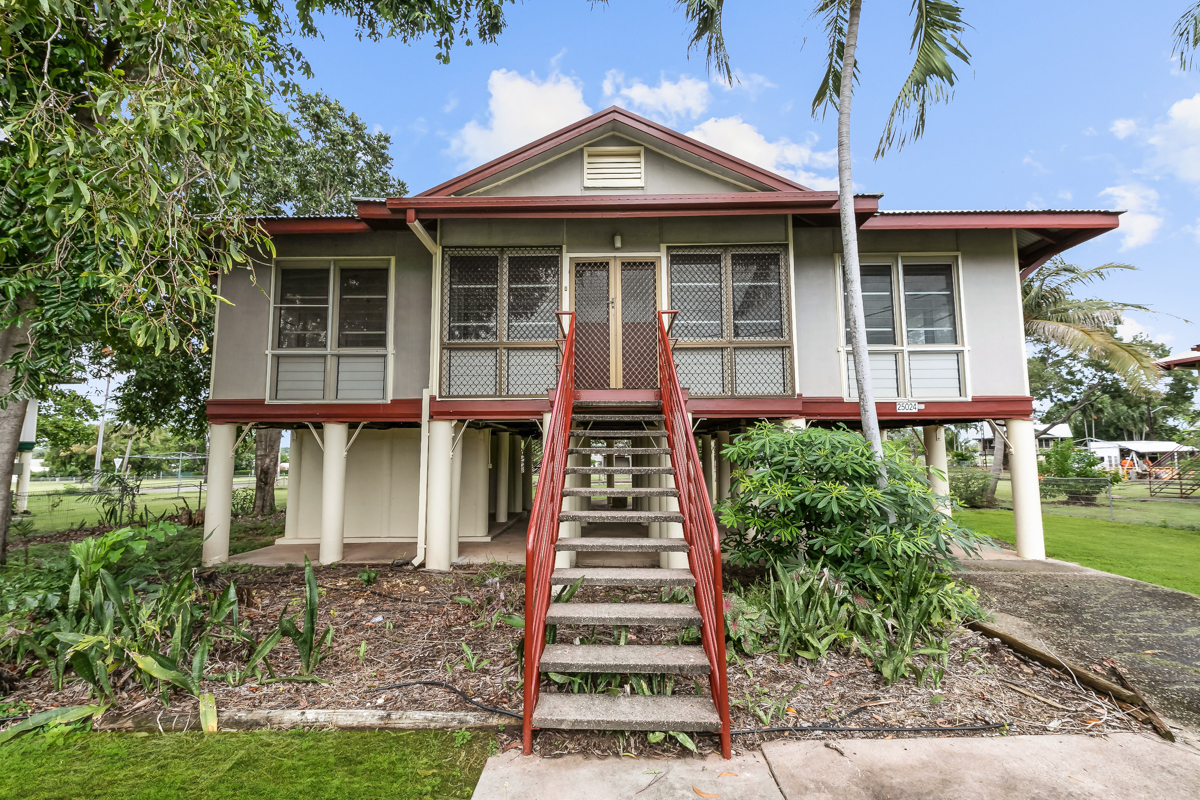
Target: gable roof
(594, 124)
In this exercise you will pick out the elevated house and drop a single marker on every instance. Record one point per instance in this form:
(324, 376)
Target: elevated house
(417, 348)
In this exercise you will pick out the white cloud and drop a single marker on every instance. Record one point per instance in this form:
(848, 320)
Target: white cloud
(783, 156)
(1176, 140)
(1029, 161)
(1089, 131)
(451, 104)
(520, 110)
(1124, 128)
(1065, 194)
(670, 100)
(1142, 220)
(750, 82)
(1130, 327)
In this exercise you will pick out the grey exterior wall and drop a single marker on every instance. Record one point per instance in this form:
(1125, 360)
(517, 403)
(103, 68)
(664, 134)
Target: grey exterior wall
(638, 235)
(243, 329)
(563, 176)
(990, 304)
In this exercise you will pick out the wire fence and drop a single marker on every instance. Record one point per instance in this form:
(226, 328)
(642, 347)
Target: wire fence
(56, 507)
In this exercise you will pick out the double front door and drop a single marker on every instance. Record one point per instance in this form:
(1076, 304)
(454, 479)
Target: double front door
(616, 330)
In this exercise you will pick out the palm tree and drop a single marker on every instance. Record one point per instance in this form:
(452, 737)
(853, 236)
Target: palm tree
(1187, 37)
(1055, 317)
(935, 38)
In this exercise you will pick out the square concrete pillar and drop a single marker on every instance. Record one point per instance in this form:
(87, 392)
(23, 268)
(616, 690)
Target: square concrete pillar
(1027, 496)
(437, 518)
(502, 465)
(333, 491)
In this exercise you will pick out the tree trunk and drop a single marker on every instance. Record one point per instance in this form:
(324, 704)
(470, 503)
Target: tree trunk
(998, 451)
(12, 418)
(266, 464)
(850, 268)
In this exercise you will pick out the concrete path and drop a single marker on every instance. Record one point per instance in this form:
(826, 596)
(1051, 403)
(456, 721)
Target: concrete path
(511, 776)
(1086, 615)
(1119, 767)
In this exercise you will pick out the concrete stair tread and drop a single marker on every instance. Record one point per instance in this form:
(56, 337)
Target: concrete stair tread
(620, 516)
(623, 576)
(590, 470)
(617, 404)
(622, 614)
(624, 433)
(619, 451)
(656, 658)
(621, 544)
(618, 491)
(617, 417)
(626, 712)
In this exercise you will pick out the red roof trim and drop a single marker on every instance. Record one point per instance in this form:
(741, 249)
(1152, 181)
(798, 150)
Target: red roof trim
(612, 114)
(618, 205)
(284, 226)
(1186, 361)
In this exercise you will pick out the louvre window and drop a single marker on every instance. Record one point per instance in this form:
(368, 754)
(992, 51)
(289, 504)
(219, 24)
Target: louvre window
(308, 292)
(509, 296)
(613, 167)
(919, 365)
(738, 296)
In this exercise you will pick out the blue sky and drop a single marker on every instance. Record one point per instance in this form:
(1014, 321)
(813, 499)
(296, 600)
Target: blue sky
(1065, 105)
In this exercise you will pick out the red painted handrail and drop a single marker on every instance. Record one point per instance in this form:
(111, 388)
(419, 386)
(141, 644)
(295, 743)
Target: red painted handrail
(699, 526)
(543, 525)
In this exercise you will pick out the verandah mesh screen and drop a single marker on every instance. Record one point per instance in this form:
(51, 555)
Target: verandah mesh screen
(499, 294)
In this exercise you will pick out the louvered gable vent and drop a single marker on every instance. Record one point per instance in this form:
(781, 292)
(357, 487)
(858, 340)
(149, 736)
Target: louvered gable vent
(613, 168)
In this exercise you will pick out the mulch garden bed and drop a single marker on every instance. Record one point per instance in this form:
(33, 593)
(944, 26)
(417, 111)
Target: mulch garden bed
(409, 626)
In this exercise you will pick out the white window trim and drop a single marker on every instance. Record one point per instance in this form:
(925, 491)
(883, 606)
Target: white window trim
(900, 321)
(603, 184)
(331, 350)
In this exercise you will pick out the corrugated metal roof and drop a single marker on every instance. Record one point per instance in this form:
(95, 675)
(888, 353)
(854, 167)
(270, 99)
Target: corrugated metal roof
(307, 216)
(1013, 211)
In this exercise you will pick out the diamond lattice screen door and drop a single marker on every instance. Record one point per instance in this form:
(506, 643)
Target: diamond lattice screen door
(616, 338)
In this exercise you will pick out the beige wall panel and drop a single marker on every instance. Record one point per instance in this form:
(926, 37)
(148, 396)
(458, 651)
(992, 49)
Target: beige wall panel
(239, 359)
(414, 285)
(815, 287)
(501, 232)
(991, 309)
(563, 177)
(596, 235)
(724, 230)
(312, 468)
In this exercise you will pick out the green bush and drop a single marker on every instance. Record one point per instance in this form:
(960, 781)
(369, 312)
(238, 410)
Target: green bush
(849, 560)
(243, 501)
(1063, 461)
(969, 487)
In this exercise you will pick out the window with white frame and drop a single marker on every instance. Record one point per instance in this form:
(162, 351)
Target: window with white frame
(733, 325)
(910, 305)
(329, 338)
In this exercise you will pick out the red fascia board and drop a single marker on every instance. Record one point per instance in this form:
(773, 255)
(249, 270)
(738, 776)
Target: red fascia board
(612, 114)
(1180, 362)
(980, 220)
(835, 409)
(622, 205)
(285, 226)
(240, 411)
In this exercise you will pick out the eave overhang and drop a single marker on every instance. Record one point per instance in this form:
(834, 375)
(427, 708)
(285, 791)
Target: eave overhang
(612, 206)
(1053, 231)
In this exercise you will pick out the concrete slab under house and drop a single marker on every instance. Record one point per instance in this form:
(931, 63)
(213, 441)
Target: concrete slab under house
(417, 350)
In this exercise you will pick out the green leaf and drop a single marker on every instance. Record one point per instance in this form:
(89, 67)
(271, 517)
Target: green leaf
(51, 717)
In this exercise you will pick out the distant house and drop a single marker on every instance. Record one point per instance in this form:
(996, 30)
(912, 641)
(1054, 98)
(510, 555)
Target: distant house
(1134, 457)
(1185, 361)
(1058, 433)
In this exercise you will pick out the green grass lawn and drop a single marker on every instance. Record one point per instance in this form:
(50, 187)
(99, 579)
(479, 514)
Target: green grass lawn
(295, 765)
(1131, 503)
(1165, 556)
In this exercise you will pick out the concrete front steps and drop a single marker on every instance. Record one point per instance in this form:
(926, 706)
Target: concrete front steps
(624, 424)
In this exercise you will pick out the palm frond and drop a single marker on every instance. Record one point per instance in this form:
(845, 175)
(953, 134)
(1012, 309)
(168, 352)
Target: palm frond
(705, 16)
(1187, 37)
(836, 14)
(936, 36)
(1130, 360)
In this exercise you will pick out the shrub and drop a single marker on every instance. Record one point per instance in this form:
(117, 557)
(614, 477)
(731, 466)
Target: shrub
(243, 502)
(969, 487)
(849, 559)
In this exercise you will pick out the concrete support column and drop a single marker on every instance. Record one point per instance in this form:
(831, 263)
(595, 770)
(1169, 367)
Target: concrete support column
(456, 471)
(672, 530)
(722, 476)
(516, 448)
(479, 483)
(219, 508)
(1027, 498)
(502, 464)
(25, 459)
(291, 512)
(527, 476)
(706, 464)
(935, 460)
(437, 517)
(333, 492)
